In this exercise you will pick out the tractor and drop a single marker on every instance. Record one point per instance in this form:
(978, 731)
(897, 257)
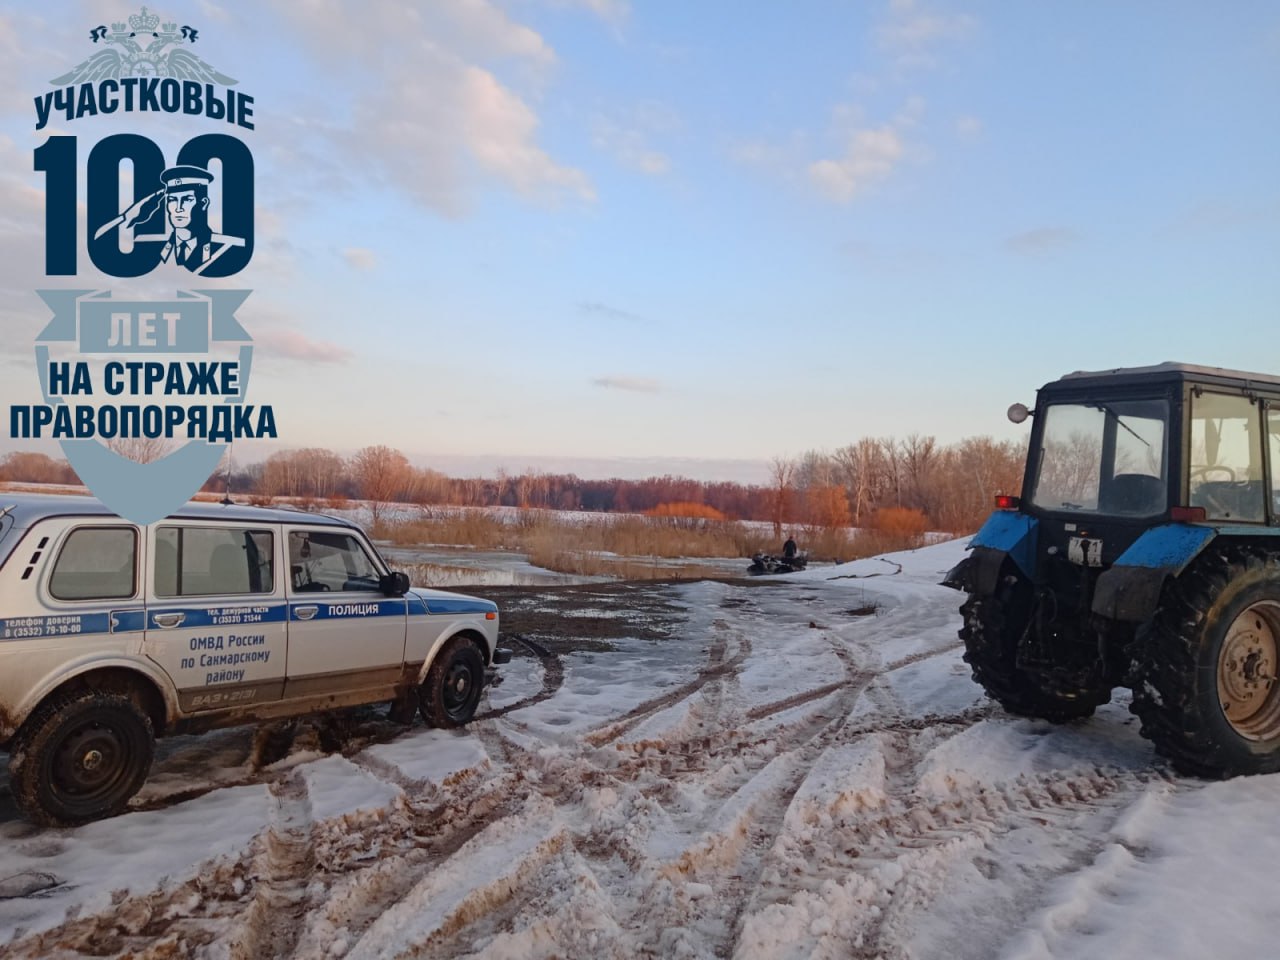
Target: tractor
(1143, 552)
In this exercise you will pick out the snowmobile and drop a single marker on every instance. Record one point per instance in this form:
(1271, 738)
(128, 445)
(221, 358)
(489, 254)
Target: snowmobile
(762, 563)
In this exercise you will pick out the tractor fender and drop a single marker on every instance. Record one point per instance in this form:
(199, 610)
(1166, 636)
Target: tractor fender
(1005, 535)
(1130, 589)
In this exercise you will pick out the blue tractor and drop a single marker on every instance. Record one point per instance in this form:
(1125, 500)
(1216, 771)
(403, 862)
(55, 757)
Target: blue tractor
(1144, 552)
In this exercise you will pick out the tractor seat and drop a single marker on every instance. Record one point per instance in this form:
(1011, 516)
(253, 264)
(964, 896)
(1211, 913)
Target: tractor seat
(1133, 494)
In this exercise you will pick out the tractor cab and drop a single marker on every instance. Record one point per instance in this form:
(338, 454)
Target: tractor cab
(1135, 479)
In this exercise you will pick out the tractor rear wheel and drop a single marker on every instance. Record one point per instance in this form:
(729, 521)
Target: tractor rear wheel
(1205, 684)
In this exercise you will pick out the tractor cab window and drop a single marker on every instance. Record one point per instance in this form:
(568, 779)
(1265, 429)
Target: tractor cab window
(1226, 458)
(1107, 457)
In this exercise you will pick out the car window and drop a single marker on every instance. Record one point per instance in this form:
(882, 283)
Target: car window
(213, 561)
(322, 560)
(96, 563)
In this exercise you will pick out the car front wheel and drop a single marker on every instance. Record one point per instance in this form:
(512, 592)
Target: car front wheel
(451, 691)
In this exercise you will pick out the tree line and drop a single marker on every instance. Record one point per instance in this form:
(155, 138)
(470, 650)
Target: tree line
(949, 486)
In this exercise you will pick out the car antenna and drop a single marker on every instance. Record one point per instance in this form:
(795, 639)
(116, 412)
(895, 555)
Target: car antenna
(226, 500)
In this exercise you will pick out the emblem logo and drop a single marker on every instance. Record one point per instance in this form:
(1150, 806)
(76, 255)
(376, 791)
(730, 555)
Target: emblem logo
(140, 48)
(107, 362)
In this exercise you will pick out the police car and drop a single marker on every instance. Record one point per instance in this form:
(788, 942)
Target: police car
(112, 634)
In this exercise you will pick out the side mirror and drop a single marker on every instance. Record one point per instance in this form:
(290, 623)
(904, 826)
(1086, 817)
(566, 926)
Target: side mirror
(394, 584)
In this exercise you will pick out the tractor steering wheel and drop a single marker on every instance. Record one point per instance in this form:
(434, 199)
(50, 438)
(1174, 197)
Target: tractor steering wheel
(1213, 468)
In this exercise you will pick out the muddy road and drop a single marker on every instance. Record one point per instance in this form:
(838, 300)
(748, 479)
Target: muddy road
(754, 768)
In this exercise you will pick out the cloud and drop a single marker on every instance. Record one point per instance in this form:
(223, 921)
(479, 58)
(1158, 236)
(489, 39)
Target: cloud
(214, 11)
(633, 384)
(629, 147)
(1214, 215)
(295, 345)
(871, 155)
(611, 11)
(498, 129)
(968, 127)
(628, 135)
(1041, 240)
(911, 33)
(782, 159)
(359, 258)
(481, 27)
(430, 115)
(597, 309)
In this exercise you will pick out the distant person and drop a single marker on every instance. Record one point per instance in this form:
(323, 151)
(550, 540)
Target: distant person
(789, 549)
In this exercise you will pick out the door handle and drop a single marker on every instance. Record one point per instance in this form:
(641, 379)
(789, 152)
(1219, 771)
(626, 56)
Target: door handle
(305, 613)
(168, 620)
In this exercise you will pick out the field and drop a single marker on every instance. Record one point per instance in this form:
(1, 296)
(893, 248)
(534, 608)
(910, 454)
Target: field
(776, 767)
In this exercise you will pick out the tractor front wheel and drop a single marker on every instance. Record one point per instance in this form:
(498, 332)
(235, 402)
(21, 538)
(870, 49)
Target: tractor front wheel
(991, 631)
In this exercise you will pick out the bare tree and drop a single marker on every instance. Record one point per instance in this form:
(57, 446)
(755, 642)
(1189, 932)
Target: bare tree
(891, 459)
(859, 464)
(318, 471)
(782, 472)
(35, 468)
(141, 449)
(381, 474)
(918, 457)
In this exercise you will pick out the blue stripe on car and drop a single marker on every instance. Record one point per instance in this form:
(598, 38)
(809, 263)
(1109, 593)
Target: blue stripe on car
(353, 610)
(459, 605)
(222, 616)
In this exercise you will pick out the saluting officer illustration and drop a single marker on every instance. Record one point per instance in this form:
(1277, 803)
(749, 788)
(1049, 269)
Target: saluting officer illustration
(189, 242)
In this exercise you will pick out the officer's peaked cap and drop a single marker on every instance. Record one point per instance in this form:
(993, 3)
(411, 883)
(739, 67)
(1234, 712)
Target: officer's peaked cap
(185, 175)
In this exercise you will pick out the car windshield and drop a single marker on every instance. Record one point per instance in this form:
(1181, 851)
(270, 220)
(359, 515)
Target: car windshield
(1106, 456)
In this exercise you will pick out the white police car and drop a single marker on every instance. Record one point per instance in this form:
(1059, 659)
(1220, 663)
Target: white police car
(112, 634)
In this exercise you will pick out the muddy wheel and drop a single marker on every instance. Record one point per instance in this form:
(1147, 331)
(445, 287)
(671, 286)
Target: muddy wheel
(80, 757)
(992, 628)
(454, 682)
(1205, 682)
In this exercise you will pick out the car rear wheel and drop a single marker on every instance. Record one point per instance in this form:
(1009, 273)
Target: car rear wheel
(80, 757)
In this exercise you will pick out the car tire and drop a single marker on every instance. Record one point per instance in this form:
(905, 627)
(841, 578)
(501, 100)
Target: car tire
(80, 757)
(451, 692)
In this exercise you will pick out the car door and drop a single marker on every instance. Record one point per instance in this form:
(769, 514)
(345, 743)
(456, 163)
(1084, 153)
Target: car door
(344, 633)
(216, 612)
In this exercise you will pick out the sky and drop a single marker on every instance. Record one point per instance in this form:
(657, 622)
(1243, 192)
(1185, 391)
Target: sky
(633, 237)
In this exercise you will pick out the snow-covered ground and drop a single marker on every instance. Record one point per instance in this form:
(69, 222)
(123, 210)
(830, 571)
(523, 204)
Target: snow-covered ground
(786, 767)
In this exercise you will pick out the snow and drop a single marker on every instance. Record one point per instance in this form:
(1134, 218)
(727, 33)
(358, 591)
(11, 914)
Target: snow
(803, 768)
(431, 756)
(337, 787)
(98, 864)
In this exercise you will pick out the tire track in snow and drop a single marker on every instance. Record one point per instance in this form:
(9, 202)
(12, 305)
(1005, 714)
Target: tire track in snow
(283, 867)
(714, 669)
(870, 871)
(736, 864)
(552, 679)
(730, 840)
(395, 855)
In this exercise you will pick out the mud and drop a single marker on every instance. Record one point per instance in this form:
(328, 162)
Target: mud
(688, 825)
